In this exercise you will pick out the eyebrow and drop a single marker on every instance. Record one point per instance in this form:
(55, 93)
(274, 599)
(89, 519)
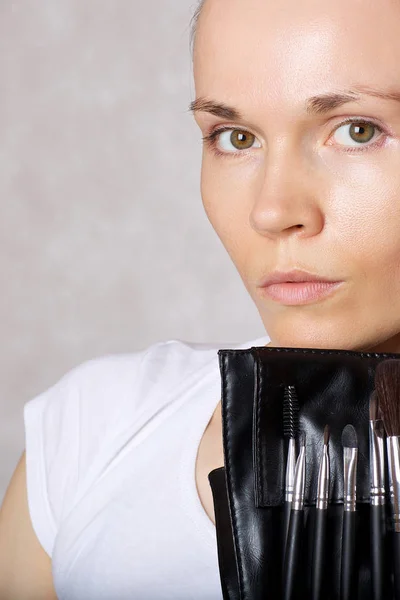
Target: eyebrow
(316, 105)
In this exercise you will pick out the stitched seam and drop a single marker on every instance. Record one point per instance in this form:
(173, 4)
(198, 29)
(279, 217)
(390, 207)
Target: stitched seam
(259, 467)
(260, 452)
(227, 444)
(222, 549)
(264, 349)
(322, 352)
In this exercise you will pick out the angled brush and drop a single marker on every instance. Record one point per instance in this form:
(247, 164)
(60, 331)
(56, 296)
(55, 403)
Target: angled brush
(377, 497)
(295, 534)
(321, 510)
(350, 455)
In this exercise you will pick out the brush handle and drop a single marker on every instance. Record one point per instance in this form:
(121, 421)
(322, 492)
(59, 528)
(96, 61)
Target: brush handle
(292, 555)
(377, 551)
(318, 554)
(348, 574)
(396, 564)
(286, 520)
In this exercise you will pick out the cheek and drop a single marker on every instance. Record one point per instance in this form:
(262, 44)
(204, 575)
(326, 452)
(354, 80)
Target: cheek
(363, 213)
(228, 193)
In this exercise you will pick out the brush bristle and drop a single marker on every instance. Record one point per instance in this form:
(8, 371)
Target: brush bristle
(349, 437)
(326, 435)
(373, 406)
(290, 413)
(387, 383)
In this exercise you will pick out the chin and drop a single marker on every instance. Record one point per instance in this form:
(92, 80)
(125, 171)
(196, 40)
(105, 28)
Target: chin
(316, 337)
(332, 341)
(348, 327)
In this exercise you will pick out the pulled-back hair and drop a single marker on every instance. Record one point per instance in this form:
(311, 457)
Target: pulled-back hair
(193, 23)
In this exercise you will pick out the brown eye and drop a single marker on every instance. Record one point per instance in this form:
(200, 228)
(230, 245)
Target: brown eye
(362, 132)
(356, 133)
(242, 140)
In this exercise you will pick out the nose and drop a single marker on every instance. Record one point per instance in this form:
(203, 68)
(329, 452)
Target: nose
(288, 199)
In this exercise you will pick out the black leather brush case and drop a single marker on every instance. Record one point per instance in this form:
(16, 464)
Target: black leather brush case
(333, 388)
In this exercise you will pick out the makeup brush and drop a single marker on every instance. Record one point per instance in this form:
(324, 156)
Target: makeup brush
(321, 510)
(377, 497)
(290, 432)
(295, 534)
(350, 454)
(387, 383)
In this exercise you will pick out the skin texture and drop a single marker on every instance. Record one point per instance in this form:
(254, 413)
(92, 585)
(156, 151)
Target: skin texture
(309, 192)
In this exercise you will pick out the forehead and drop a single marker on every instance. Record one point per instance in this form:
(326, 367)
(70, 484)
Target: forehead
(251, 52)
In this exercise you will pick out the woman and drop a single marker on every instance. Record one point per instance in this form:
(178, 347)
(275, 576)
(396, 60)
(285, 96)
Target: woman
(298, 106)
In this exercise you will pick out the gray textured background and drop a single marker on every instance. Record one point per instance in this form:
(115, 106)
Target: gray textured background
(105, 246)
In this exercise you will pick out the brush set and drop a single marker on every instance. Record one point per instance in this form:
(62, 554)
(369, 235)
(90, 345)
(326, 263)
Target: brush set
(307, 505)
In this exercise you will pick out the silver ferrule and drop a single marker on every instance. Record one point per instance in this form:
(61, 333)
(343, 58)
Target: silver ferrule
(377, 463)
(290, 470)
(299, 481)
(393, 450)
(350, 478)
(323, 481)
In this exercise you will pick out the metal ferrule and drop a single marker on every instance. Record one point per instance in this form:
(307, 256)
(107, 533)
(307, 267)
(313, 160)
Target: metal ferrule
(290, 470)
(350, 478)
(393, 450)
(299, 481)
(377, 463)
(323, 481)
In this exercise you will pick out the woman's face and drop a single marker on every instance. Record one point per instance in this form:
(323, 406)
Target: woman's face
(290, 188)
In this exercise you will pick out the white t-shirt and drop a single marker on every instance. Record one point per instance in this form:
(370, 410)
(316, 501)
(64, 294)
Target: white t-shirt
(110, 453)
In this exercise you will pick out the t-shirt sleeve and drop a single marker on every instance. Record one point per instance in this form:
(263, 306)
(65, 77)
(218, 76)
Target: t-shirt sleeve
(74, 429)
(67, 427)
(51, 448)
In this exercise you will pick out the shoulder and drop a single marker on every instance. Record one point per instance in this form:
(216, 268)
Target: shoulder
(80, 425)
(134, 378)
(163, 363)
(73, 429)
(103, 393)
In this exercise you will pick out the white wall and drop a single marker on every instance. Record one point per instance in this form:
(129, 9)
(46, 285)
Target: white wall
(105, 246)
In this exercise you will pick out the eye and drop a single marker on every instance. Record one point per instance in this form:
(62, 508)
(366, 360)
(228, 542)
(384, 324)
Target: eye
(231, 141)
(358, 132)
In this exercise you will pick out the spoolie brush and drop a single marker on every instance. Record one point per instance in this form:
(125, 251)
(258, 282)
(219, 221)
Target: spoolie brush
(290, 432)
(387, 383)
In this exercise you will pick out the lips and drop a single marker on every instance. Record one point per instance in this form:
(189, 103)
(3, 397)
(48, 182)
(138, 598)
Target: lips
(294, 276)
(297, 287)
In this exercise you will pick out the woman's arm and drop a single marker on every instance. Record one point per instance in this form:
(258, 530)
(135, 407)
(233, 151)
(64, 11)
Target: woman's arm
(25, 568)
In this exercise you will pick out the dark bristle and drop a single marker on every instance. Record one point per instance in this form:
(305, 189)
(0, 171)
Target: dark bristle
(326, 435)
(349, 437)
(290, 413)
(387, 383)
(373, 406)
(302, 439)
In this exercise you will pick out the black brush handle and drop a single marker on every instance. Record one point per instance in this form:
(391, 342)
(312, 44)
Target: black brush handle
(292, 555)
(396, 564)
(318, 554)
(377, 551)
(348, 574)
